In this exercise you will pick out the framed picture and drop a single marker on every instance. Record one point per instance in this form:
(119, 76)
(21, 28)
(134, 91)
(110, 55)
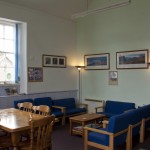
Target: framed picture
(35, 74)
(54, 61)
(137, 59)
(113, 77)
(97, 61)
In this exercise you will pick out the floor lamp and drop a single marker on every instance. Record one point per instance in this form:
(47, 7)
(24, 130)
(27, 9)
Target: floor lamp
(79, 82)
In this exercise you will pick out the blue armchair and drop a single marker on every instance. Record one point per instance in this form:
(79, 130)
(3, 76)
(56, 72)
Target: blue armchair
(112, 108)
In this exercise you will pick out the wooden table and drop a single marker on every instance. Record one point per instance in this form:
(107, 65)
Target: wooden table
(83, 120)
(16, 122)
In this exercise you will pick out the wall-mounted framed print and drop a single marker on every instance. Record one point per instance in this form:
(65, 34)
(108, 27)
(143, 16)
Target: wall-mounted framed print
(54, 61)
(35, 74)
(97, 61)
(113, 77)
(137, 59)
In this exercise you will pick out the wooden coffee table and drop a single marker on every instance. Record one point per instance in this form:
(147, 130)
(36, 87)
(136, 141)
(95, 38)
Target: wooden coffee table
(83, 120)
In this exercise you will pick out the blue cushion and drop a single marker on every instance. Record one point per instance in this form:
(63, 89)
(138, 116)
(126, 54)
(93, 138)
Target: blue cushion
(98, 138)
(117, 107)
(57, 113)
(22, 101)
(43, 101)
(118, 123)
(67, 102)
(74, 111)
(146, 114)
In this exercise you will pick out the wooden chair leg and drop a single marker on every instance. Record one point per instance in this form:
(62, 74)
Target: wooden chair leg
(85, 140)
(129, 138)
(142, 131)
(63, 120)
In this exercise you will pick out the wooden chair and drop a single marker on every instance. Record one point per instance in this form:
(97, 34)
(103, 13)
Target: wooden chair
(40, 134)
(41, 110)
(26, 106)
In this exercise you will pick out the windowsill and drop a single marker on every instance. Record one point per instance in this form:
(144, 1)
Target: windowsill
(10, 84)
(12, 95)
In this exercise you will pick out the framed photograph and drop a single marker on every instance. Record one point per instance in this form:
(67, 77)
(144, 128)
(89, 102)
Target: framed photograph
(35, 74)
(113, 77)
(137, 59)
(97, 61)
(54, 61)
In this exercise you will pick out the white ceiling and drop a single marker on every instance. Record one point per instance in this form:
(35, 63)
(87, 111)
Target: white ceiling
(60, 8)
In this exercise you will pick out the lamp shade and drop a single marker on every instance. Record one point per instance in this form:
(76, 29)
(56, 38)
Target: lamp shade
(79, 67)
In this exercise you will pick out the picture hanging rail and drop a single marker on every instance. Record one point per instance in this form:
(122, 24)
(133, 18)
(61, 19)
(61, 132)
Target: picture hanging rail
(97, 61)
(54, 61)
(137, 59)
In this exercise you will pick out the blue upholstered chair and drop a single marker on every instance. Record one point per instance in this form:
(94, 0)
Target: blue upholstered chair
(112, 108)
(121, 128)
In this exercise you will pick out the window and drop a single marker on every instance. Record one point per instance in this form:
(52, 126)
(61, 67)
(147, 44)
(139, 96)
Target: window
(8, 52)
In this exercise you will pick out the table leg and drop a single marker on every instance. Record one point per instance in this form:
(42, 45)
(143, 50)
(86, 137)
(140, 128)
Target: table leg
(15, 137)
(70, 126)
(83, 124)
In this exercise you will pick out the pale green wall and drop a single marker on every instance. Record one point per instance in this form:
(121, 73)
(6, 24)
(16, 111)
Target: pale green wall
(45, 35)
(121, 29)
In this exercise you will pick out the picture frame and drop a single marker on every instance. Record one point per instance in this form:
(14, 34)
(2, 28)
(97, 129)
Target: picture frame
(113, 77)
(97, 61)
(54, 61)
(137, 59)
(35, 74)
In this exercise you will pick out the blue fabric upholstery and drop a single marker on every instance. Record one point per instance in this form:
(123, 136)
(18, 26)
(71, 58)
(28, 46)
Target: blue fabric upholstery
(69, 103)
(146, 114)
(22, 101)
(98, 138)
(74, 111)
(116, 107)
(57, 113)
(43, 101)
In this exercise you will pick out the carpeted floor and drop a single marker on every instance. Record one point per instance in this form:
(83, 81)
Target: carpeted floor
(62, 140)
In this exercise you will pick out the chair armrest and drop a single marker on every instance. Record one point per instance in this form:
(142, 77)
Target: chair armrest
(105, 123)
(96, 108)
(97, 130)
(128, 110)
(63, 109)
(84, 105)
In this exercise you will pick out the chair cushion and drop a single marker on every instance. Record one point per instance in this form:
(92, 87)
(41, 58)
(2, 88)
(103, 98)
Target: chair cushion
(98, 138)
(74, 111)
(57, 113)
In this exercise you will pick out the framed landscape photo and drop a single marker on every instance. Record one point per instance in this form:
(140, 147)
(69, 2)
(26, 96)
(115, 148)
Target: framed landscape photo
(137, 59)
(97, 61)
(35, 74)
(54, 61)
